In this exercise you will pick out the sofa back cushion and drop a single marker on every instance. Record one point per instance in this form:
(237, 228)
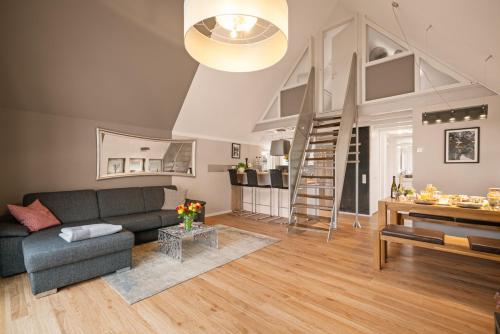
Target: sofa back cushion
(68, 206)
(154, 197)
(121, 201)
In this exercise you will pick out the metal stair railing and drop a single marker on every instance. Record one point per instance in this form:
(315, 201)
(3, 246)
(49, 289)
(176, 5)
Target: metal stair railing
(349, 117)
(300, 142)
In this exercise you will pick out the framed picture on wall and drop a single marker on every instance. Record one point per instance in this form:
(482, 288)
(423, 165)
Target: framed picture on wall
(235, 151)
(462, 145)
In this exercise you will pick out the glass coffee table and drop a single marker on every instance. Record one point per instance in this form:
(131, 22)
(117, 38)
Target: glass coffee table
(170, 238)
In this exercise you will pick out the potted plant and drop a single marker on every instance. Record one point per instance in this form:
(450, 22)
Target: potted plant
(241, 167)
(188, 214)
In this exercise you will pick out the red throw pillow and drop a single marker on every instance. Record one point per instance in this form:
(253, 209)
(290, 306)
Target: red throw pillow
(35, 216)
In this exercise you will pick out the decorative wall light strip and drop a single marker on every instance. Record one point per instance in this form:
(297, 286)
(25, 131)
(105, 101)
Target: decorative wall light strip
(236, 35)
(456, 115)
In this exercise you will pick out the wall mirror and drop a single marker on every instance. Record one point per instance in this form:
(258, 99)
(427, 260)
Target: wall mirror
(121, 155)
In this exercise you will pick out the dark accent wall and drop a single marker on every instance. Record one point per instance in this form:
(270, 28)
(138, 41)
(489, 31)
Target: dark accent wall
(391, 78)
(348, 195)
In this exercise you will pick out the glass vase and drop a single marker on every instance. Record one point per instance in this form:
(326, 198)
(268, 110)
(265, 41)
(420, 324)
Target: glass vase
(188, 223)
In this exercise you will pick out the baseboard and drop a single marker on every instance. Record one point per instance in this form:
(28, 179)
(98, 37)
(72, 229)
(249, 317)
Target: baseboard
(217, 213)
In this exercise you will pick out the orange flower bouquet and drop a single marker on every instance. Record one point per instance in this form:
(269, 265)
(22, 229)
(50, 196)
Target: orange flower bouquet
(189, 213)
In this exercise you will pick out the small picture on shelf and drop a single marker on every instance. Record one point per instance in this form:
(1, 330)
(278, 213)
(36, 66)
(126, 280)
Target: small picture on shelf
(155, 165)
(136, 165)
(235, 151)
(116, 165)
(462, 145)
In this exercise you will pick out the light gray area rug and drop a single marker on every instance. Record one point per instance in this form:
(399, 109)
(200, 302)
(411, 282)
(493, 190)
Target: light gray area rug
(154, 272)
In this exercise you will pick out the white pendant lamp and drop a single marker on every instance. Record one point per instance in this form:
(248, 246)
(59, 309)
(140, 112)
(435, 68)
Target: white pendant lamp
(236, 35)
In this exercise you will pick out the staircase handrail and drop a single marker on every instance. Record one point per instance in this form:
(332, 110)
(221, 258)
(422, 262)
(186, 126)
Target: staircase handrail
(349, 117)
(301, 138)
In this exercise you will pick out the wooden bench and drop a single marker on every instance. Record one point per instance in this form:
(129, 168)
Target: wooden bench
(484, 248)
(444, 220)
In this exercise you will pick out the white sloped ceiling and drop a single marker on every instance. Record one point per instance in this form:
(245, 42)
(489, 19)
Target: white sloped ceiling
(226, 106)
(463, 34)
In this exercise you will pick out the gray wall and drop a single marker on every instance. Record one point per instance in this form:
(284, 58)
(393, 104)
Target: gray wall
(120, 61)
(41, 152)
(472, 179)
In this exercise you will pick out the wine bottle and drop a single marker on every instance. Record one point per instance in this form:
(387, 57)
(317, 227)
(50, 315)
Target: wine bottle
(246, 163)
(400, 186)
(394, 187)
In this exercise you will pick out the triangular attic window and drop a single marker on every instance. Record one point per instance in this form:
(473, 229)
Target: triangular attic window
(300, 73)
(380, 46)
(431, 77)
(273, 112)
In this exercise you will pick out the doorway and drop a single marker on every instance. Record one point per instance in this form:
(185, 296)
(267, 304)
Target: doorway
(391, 155)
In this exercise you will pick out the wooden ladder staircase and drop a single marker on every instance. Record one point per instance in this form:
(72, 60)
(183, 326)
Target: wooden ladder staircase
(330, 144)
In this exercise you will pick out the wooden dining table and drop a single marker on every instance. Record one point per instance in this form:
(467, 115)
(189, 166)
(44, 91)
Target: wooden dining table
(390, 212)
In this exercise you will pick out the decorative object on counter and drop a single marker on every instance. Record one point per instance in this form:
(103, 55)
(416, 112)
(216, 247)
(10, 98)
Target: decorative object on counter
(235, 151)
(188, 214)
(280, 147)
(462, 145)
(241, 167)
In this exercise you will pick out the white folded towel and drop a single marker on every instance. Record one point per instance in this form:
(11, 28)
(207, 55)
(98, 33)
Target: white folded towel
(71, 234)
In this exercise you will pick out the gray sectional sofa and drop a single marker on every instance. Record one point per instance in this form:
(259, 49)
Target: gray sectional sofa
(52, 263)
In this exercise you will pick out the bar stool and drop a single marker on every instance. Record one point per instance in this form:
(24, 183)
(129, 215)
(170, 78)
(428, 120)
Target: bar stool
(277, 183)
(233, 178)
(253, 182)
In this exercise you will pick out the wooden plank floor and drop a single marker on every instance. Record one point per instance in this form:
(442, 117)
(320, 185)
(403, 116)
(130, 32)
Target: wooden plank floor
(299, 285)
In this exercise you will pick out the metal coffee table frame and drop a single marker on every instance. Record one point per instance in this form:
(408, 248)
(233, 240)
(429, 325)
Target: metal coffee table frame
(170, 238)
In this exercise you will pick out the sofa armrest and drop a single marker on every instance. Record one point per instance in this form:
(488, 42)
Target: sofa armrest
(12, 229)
(201, 215)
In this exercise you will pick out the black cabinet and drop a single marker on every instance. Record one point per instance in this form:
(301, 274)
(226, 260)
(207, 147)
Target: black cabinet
(348, 203)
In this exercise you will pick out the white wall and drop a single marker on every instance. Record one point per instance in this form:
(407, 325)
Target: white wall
(214, 187)
(472, 179)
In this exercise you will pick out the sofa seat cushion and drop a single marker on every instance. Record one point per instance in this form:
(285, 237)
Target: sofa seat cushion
(168, 217)
(136, 222)
(11, 229)
(45, 249)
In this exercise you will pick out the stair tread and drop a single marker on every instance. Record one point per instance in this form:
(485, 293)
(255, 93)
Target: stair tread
(316, 186)
(320, 158)
(324, 134)
(327, 118)
(326, 125)
(317, 177)
(313, 217)
(329, 149)
(330, 198)
(313, 206)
